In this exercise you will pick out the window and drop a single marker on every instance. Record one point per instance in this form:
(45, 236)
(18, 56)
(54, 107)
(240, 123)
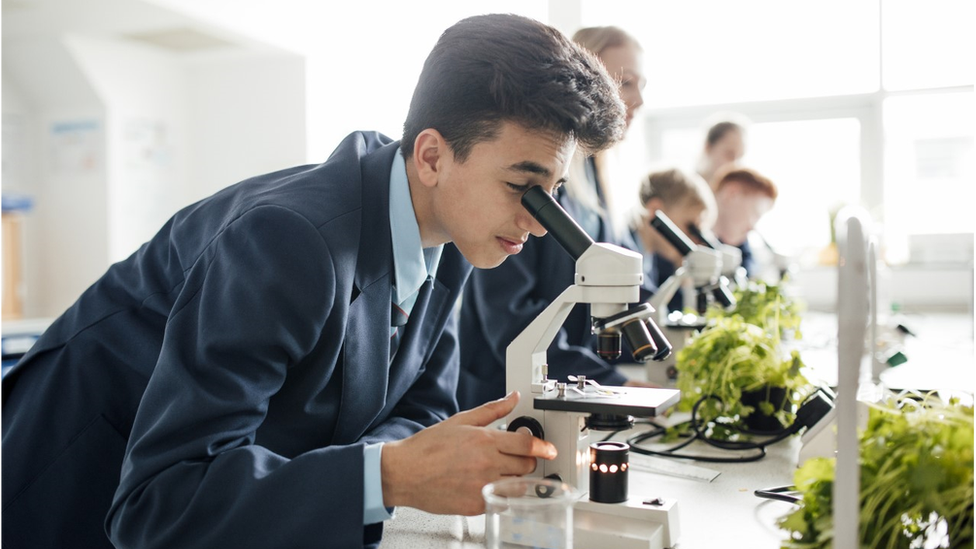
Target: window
(929, 174)
(699, 53)
(928, 44)
(863, 103)
(816, 166)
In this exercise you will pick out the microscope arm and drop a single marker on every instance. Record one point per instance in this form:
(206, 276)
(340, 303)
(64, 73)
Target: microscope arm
(526, 367)
(660, 300)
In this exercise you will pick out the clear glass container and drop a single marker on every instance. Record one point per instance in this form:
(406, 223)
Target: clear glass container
(529, 512)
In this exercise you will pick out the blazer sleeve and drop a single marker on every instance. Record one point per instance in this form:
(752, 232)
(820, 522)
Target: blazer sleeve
(510, 296)
(253, 304)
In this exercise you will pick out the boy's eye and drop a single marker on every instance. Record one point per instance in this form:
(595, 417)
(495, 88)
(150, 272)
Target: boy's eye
(522, 188)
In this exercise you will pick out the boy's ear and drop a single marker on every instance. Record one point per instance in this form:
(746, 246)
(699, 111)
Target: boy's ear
(654, 205)
(430, 153)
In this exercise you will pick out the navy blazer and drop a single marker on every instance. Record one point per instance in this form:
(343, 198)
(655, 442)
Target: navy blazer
(216, 388)
(499, 303)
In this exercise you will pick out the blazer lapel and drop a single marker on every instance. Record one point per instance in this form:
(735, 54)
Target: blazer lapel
(366, 347)
(411, 358)
(365, 362)
(411, 355)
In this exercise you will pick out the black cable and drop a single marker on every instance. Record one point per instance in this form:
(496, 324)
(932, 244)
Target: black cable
(780, 493)
(699, 434)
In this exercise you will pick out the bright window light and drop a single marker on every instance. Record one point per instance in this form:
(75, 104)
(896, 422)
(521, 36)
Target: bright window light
(364, 80)
(816, 166)
(930, 180)
(715, 51)
(928, 44)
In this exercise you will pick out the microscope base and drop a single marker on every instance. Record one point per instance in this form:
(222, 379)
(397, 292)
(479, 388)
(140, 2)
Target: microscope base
(627, 525)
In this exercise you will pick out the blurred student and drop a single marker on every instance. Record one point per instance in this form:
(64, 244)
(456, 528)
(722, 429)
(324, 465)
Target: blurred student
(724, 145)
(742, 196)
(686, 199)
(498, 304)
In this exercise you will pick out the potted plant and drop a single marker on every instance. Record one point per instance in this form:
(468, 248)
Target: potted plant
(768, 306)
(916, 481)
(739, 378)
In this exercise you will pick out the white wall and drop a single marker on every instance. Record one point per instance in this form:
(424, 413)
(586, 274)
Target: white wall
(144, 90)
(18, 119)
(247, 117)
(64, 172)
(117, 135)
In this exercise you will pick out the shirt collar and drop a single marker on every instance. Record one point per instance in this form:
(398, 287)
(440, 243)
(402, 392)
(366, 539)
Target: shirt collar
(412, 263)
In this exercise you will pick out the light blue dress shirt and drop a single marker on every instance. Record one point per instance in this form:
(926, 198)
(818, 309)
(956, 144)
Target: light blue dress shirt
(412, 266)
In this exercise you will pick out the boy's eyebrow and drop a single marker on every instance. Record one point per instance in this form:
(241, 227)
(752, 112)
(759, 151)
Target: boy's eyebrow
(534, 168)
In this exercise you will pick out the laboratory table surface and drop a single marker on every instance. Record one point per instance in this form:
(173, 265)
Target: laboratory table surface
(721, 513)
(724, 512)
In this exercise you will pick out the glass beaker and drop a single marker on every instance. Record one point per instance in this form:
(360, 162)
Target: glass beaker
(529, 512)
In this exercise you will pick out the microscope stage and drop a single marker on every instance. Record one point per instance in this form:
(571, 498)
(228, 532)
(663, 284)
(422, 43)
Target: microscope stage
(631, 401)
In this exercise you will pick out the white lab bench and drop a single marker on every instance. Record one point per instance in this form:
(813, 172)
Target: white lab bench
(724, 512)
(721, 513)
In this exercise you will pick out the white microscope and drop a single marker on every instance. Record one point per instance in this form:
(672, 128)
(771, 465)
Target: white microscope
(608, 278)
(700, 278)
(732, 268)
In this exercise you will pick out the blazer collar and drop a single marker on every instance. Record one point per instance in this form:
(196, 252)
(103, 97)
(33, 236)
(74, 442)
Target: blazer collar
(375, 254)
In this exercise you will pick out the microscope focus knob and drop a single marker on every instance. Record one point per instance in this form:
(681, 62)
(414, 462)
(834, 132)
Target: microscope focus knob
(526, 424)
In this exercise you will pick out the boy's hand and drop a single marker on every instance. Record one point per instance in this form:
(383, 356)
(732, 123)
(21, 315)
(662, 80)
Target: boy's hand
(443, 468)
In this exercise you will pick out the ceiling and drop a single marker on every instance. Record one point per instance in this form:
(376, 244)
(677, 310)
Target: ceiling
(136, 20)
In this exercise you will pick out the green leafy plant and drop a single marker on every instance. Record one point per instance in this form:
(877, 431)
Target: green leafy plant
(729, 358)
(916, 481)
(766, 305)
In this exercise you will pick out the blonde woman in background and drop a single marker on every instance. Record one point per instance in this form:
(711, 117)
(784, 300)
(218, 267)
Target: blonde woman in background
(499, 303)
(589, 182)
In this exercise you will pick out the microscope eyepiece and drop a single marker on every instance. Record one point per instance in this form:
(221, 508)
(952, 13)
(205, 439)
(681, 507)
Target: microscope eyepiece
(672, 233)
(707, 237)
(554, 218)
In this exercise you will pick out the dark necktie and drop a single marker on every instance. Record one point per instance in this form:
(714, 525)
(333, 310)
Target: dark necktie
(398, 323)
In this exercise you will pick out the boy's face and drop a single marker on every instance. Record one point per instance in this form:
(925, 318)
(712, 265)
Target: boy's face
(477, 203)
(739, 209)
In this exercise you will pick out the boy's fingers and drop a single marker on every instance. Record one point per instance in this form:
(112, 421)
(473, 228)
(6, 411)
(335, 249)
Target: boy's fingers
(488, 412)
